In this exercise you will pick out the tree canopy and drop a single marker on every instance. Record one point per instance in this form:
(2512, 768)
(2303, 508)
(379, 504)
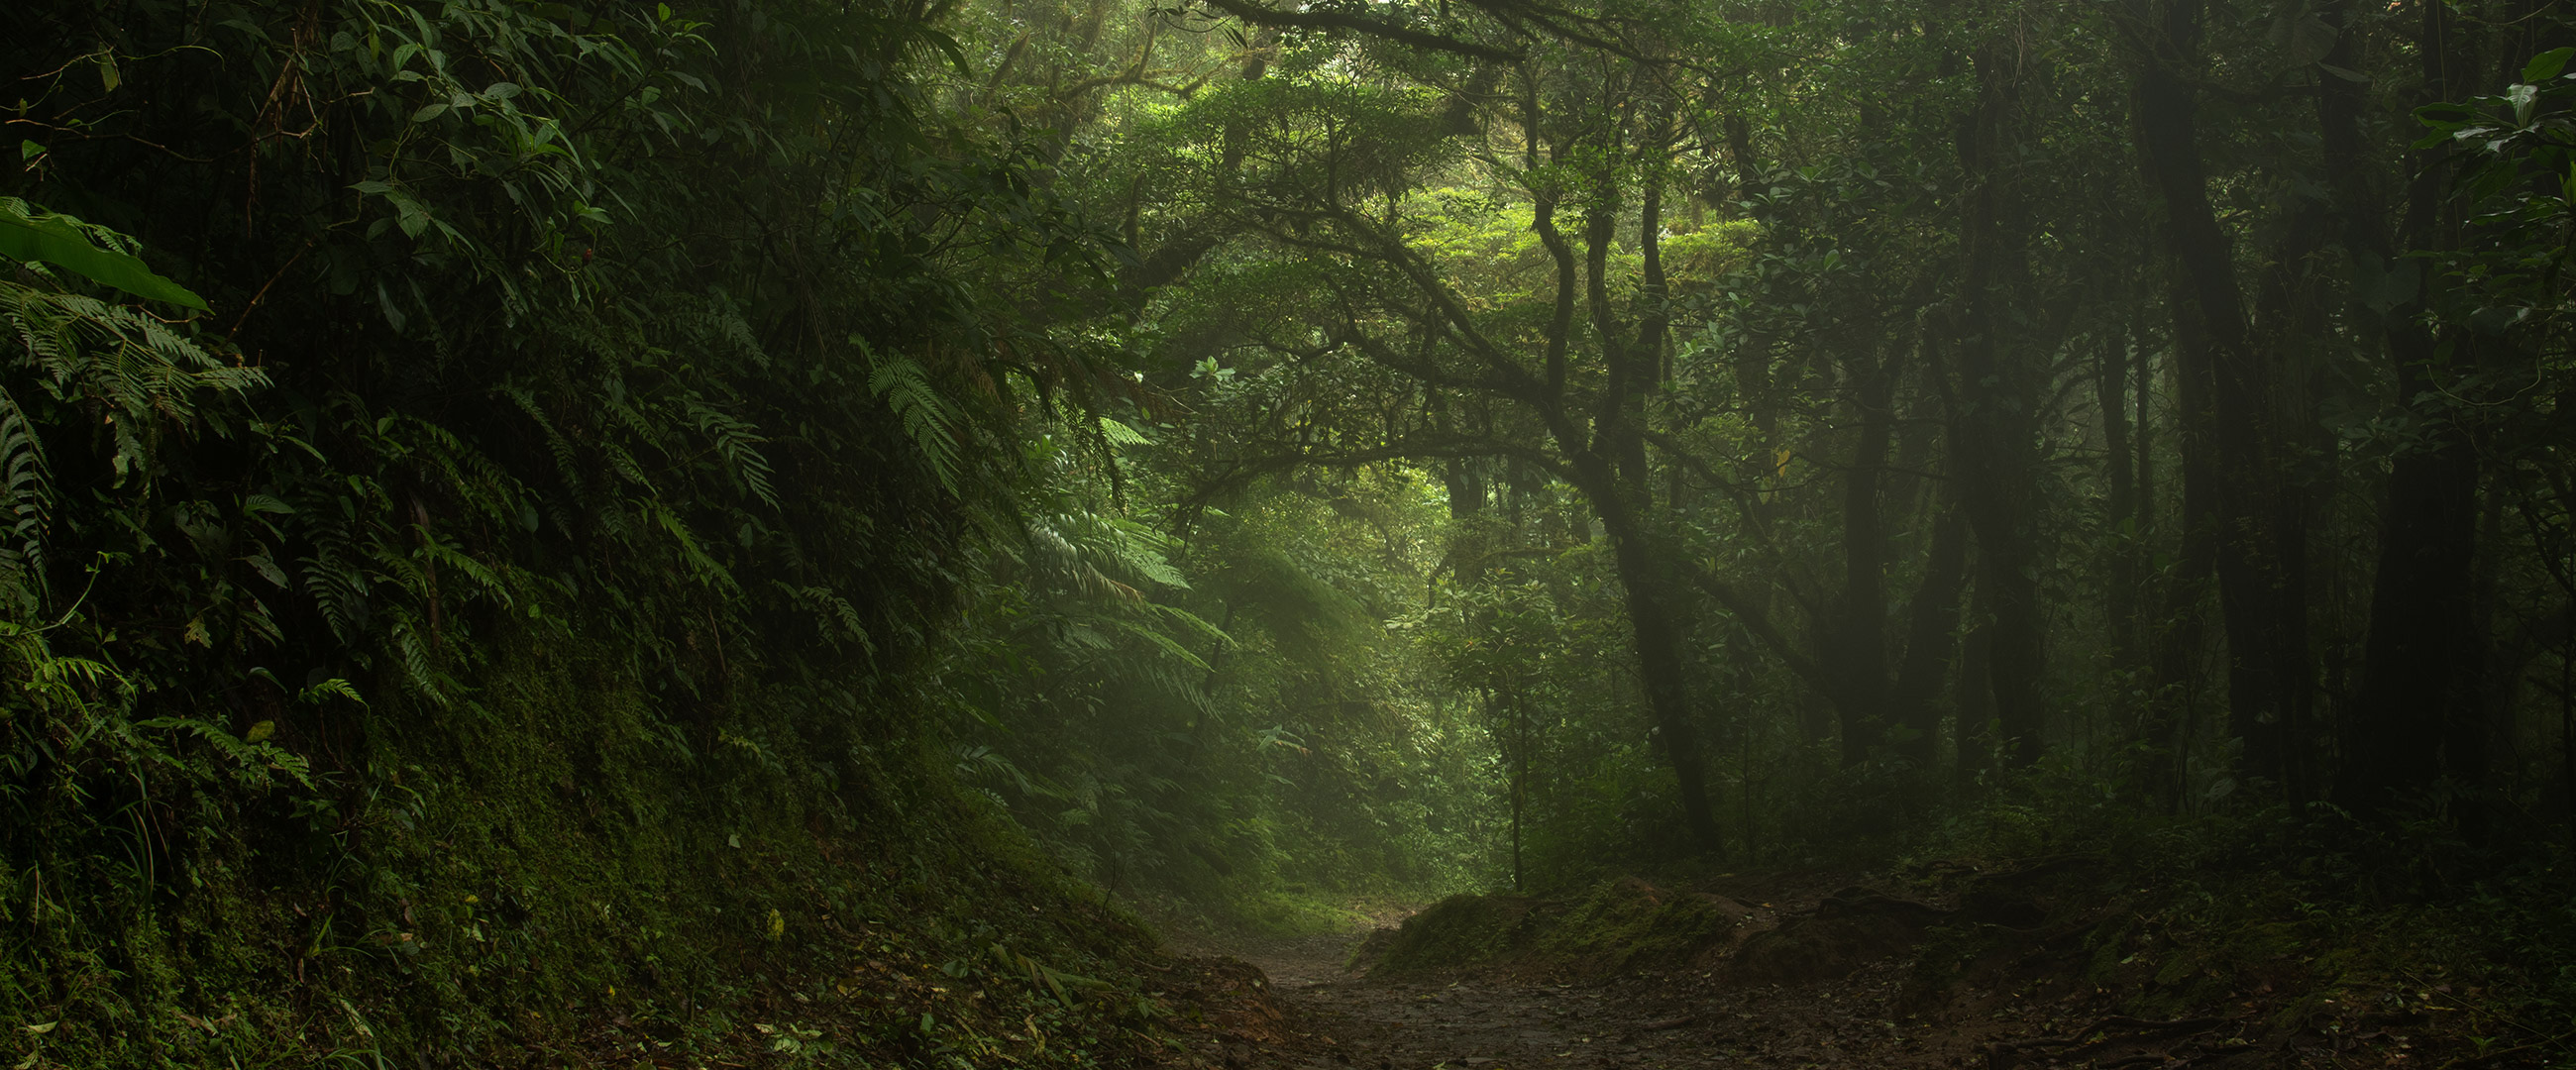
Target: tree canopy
(517, 506)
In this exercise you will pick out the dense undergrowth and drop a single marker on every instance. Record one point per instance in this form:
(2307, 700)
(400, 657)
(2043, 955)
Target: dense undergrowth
(519, 892)
(488, 603)
(610, 541)
(2297, 909)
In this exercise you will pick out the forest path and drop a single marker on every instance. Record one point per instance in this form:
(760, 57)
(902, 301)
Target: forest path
(1824, 976)
(1303, 1011)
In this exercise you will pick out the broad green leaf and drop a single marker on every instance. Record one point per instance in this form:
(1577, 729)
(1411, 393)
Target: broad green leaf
(948, 48)
(2303, 40)
(58, 240)
(2381, 287)
(2546, 65)
(411, 216)
(2523, 98)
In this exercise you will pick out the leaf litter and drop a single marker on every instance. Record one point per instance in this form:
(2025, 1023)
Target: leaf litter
(2004, 968)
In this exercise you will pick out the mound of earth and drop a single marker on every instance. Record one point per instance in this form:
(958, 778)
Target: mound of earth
(2059, 962)
(1847, 929)
(1230, 1000)
(1615, 926)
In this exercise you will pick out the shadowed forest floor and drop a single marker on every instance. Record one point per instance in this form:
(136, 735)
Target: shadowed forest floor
(1824, 973)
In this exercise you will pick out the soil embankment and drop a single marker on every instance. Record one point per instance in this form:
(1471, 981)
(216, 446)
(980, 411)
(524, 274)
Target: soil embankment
(2005, 968)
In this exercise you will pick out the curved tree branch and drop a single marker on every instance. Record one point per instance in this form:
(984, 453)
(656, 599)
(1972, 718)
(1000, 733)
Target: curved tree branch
(1260, 15)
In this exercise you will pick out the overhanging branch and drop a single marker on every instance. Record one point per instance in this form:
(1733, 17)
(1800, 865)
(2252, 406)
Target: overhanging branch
(1292, 457)
(1759, 623)
(1258, 15)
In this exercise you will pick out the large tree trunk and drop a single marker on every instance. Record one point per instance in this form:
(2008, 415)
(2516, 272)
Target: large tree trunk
(1929, 648)
(2227, 437)
(2181, 623)
(2120, 589)
(2418, 677)
(2291, 329)
(1976, 708)
(2418, 681)
(1858, 655)
(1610, 471)
(1652, 620)
(1994, 430)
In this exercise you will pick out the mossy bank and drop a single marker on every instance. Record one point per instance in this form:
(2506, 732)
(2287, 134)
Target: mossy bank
(566, 881)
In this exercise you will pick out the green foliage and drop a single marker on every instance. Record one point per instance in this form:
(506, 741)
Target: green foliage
(517, 619)
(2173, 914)
(64, 242)
(1220, 725)
(660, 507)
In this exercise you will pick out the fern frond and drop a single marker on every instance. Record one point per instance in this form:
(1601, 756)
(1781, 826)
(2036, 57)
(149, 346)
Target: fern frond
(25, 488)
(334, 687)
(930, 421)
(739, 445)
(1165, 643)
(418, 671)
(481, 483)
(708, 570)
(831, 608)
(1193, 623)
(336, 585)
(567, 466)
(1143, 551)
(251, 762)
(1119, 434)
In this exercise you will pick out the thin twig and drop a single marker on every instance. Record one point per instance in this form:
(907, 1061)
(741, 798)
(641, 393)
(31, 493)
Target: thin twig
(263, 290)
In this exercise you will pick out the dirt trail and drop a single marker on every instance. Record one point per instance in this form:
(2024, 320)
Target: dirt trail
(1333, 1020)
(1290, 1005)
(1328, 1018)
(1475, 1022)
